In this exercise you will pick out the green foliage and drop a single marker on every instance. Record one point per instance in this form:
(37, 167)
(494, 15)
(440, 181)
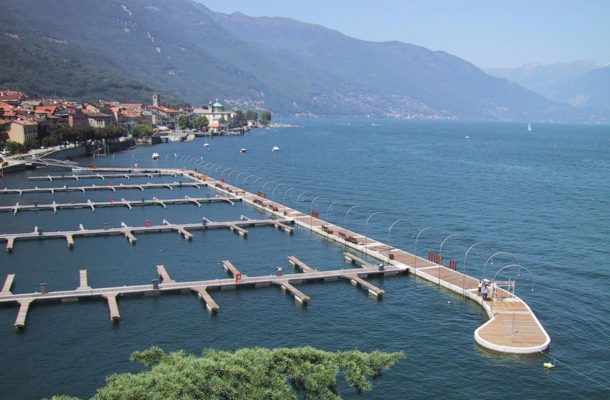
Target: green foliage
(14, 147)
(251, 373)
(50, 141)
(265, 117)
(251, 115)
(141, 130)
(239, 119)
(31, 144)
(185, 121)
(201, 122)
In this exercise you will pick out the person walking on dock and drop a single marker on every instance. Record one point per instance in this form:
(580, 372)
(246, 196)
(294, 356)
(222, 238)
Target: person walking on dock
(485, 292)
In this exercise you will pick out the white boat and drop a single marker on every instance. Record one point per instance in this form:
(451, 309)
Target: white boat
(190, 137)
(275, 148)
(155, 156)
(206, 145)
(242, 150)
(529, 127)
(466, 137)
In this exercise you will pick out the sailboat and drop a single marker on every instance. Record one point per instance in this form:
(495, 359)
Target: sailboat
(529, 127)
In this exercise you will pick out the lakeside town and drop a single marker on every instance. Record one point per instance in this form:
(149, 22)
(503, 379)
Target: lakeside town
(31, 125)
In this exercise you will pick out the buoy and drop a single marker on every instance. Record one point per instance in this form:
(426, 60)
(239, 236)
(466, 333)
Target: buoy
(275, 148)
(548, 365)
(242, 151)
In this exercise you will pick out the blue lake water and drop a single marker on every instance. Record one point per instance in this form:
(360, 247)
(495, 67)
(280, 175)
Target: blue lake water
(543, 196)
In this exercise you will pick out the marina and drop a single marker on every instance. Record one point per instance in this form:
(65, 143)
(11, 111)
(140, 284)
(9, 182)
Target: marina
(426, 186)
(526, 334)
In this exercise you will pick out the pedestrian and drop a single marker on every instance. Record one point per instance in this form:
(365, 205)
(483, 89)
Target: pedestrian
(485, 291)
(480, 285)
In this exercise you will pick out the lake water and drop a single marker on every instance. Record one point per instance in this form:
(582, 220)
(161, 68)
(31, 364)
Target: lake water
(543, 196)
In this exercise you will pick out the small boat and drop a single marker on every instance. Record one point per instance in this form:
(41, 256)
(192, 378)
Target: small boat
(466, 137)
(190, 137)
(155, 156)
(275, 148)
(242, 150)
(529, 127)
(548, 365)
(206, 145)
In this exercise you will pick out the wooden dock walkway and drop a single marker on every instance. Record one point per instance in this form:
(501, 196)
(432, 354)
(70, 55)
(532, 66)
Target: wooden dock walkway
(78, 177)
(512, 326)
(92, 205)
(130, 231)
(167, 285)
(526, 334)
(114, 188)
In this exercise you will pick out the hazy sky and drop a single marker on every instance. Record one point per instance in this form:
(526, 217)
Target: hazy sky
(501, 33)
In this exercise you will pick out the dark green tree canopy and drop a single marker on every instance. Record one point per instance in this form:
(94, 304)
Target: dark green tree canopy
(265, 117)
(249, 374)
(201, 122)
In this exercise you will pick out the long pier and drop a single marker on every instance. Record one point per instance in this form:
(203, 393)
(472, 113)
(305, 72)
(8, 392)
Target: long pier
(130, 231)
(512, 326)
(165, 284)
(114, 188)
(118, 203)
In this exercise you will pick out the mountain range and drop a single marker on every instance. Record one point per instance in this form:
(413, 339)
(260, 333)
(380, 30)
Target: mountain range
(126, 49)
(582, 84)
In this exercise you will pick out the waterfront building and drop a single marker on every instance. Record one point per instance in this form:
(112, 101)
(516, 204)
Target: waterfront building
(21, 131)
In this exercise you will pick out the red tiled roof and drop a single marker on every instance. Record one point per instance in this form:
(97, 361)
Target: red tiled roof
(50, 110)
(10, 95)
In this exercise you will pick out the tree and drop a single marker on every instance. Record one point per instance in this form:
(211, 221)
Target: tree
(251, 115)
(265, 117)
(15, 147)
(184, 121)
(252, 373)
(50, 141)
(201, 122)
(31, 144)
(239, 119)
(141, 130)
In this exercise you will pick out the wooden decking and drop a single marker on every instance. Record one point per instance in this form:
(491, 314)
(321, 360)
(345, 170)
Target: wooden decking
(526, 334)
(512, 327)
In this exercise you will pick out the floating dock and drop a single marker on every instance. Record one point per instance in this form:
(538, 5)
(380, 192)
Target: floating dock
(512, 327)
(92, 205)
(523, 335)
(114, 188)
(130, 231)
(165, 284)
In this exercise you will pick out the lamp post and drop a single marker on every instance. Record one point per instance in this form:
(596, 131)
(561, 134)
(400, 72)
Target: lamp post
(392, 226)
(345, 221)
(274, 188)
(416, 239)
(465, 258)
(366, 232)
(493, 282)
(328, 209)
(265, 184)
(286, 193)
(497, 254)
(238, 175)
(440, 254)
(246, 179)
(223, 172)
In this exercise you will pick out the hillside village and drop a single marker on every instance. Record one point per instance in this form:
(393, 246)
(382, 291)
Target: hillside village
(30, 123)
